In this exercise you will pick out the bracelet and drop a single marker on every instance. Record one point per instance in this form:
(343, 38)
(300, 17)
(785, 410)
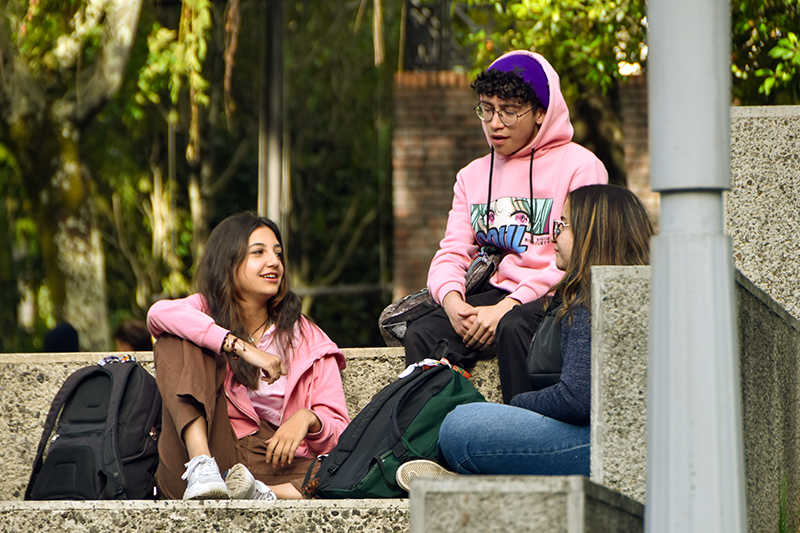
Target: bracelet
(229, 345)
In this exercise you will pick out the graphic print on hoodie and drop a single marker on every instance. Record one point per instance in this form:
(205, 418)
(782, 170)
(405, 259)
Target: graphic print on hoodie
(512, 222)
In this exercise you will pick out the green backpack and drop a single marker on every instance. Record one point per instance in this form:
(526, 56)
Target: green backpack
(399, 424)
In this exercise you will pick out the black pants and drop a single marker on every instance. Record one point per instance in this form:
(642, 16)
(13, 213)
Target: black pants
(512, 339)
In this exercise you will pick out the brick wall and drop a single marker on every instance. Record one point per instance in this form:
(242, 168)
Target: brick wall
(436, 133)
(633, 106)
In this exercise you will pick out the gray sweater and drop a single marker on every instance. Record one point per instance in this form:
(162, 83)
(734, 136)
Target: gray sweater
(569, 400)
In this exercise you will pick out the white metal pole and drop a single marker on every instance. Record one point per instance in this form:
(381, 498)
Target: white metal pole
(695, 473)
(270, 130)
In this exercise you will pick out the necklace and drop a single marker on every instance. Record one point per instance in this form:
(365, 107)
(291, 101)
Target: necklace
(250, 337)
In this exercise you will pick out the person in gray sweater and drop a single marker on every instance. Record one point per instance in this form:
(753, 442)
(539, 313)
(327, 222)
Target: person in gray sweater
(546, 431)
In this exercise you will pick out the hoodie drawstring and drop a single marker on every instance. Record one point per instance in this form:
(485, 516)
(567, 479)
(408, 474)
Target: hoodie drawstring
(489, 194)
(530, 177)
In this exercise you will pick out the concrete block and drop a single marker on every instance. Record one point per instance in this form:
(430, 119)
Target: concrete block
(769, 341)
(620, 325)
(308, 516)
(769, 359)
(544, 504)
(762, 205)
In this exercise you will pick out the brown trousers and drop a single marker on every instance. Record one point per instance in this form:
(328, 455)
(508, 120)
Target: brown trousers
(190, 380)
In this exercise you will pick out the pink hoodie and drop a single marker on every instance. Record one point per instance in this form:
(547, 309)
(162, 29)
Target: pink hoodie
(313, 382)
(528, 269)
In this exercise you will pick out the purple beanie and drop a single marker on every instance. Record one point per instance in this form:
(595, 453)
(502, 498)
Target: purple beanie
(531, 71)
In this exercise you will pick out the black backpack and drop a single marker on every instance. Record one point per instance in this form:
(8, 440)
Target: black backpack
(105, 447)
(400, 423)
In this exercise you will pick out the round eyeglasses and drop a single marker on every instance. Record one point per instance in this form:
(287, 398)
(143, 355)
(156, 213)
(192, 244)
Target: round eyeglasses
(486, 112)
(558, 227)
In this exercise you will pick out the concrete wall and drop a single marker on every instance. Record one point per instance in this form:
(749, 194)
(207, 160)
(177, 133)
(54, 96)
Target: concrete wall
(210, 516)
(620, 324)
(769, 345)
(769, 342)
(763, 207)
(544, 504)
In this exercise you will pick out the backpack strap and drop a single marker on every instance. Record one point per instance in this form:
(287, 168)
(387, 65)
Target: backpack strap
(56, 406)
(354, 432)
(112, 463)
(432, 381)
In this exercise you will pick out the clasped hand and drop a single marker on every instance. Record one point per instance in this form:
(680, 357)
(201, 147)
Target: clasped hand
(475, 325)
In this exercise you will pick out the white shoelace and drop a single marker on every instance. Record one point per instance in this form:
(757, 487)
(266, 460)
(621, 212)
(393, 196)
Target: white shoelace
(203, 462)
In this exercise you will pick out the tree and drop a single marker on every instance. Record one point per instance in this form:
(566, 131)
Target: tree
(61, 62)
(338, 111)
(599, 42)
(766, 54)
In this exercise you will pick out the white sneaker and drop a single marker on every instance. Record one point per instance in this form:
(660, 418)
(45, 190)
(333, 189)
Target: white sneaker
(204, 481)
(419, 468)
(243, 486)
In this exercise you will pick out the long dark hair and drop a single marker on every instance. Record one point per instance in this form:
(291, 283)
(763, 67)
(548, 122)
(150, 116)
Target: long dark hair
(610, 226)
(225, 251)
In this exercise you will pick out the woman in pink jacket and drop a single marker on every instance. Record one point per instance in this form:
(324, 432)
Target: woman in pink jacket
(251, 388)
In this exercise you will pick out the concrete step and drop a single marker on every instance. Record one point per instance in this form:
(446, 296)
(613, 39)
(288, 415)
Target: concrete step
(317, 516)
(544, 504)
(28, 383)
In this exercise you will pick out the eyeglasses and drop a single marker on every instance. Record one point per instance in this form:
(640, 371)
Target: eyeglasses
(558, 227)
(509, 118)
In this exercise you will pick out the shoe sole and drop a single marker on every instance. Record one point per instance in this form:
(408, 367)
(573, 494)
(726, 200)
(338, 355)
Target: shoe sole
(240, 482)
(419, 468)
(211, 491)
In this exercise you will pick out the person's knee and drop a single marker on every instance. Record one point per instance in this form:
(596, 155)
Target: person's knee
(450, 441)
(455, 430)
(413, 330)
(509, 323)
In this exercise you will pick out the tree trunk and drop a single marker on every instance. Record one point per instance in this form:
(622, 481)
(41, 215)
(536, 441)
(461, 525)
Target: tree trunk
(43, 121)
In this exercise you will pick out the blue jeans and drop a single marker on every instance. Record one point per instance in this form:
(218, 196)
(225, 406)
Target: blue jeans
(490, 438)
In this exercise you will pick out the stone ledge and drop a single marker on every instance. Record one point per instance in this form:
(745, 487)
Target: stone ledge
(545, 504)
(367, 516)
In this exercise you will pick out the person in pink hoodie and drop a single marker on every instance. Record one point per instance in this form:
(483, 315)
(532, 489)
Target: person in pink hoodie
(251, 388)
(506, 200)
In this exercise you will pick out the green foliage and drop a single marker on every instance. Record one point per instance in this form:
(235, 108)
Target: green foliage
(587, 41)
(787, 51)
(155, 75)
(191, 50)
(339, 107)
(20, 258)
(764, 58)
(55, 38)
(338, 113)
(584, 40)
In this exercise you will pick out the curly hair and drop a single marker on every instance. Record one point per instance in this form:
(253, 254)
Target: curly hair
(505, 85)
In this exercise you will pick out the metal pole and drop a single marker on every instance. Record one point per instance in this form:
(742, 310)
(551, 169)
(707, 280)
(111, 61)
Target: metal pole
(263, 96)
(270, 130)
(275, 114)
(695, 473)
